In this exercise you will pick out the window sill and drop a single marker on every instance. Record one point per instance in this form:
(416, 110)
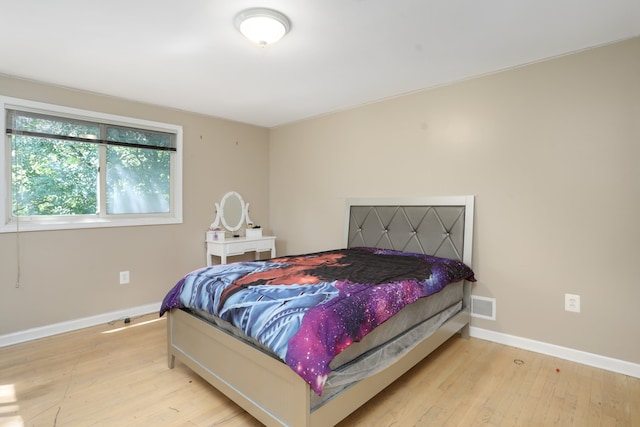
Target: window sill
(80, 223)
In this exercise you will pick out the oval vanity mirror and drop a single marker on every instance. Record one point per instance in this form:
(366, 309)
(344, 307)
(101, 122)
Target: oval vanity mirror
(232, 207)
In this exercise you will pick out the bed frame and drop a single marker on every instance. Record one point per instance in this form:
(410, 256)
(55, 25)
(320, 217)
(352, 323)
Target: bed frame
(266, 387)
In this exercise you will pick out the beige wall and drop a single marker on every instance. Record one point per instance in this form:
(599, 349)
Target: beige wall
(551, 151)
(70, 274)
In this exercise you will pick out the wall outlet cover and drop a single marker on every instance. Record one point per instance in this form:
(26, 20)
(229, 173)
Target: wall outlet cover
(572, 303)
(124, 277)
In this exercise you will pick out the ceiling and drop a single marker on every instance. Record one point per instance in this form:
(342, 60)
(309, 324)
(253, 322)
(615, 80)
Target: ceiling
(339, 54)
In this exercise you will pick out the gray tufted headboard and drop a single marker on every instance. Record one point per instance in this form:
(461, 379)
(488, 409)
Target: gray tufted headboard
(440, 226)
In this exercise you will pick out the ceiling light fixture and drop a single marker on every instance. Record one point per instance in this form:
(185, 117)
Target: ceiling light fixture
(262, 26)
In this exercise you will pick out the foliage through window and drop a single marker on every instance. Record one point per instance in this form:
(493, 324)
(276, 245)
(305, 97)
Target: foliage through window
(79, 167)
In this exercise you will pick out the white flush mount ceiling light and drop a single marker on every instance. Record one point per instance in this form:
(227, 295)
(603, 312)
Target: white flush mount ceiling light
(262, 26)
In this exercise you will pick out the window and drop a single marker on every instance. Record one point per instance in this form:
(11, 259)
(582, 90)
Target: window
(69, 168)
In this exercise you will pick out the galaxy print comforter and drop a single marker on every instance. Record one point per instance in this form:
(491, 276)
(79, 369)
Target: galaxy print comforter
(309, 308)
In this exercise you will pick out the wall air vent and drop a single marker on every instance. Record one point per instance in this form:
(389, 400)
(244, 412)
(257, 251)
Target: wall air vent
(483, 307)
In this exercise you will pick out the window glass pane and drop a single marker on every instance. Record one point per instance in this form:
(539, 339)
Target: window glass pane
(138, 180)
(140, 137)
(52, 177)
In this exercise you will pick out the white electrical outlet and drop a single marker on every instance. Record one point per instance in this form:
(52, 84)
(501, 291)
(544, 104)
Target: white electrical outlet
(572, 303)
(124, 277)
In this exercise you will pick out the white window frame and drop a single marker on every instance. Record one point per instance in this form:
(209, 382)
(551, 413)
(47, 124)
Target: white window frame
(10, 224)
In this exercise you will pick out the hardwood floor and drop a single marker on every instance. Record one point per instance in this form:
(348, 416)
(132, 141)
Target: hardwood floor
(116, 375)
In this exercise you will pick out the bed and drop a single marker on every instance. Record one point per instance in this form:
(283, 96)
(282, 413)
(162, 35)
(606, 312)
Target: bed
(276, 388)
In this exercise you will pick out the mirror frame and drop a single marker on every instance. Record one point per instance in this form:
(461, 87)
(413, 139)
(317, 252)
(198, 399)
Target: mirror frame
(220, 216)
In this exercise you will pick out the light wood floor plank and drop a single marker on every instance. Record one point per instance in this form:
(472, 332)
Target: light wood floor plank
(111, 375)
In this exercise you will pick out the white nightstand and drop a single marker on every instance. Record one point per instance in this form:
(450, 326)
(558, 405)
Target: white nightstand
(238, 246)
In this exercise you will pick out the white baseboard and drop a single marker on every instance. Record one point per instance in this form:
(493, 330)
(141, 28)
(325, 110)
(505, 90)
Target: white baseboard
(590, 359)
(72, 325)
